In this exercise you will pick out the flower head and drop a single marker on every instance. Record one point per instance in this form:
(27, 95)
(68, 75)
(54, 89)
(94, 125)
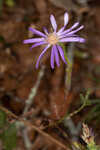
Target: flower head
(53, 39)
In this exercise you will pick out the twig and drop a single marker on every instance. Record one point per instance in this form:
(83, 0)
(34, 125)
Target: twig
(86, 102)
(20, 126)
(27, 123)
(27, 141)
(71, 114)
(33, 92)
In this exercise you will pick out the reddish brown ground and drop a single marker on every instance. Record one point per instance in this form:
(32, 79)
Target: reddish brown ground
(17, 64)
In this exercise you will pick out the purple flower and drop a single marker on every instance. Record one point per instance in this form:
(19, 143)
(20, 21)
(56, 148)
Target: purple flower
(54, 38)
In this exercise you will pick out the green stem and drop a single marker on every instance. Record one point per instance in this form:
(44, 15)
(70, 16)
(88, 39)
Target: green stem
(71, 114)
(68, 54)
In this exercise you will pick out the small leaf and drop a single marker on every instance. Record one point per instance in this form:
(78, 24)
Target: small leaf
(9, 137)
(2, 118)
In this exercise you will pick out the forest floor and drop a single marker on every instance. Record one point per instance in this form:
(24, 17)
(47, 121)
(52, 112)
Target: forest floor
(18, 75)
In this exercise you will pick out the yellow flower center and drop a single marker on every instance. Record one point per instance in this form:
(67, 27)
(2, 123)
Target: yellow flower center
(52, 39)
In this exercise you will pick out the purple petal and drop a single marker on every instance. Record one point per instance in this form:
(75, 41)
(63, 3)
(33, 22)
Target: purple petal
(65, 36)
(41, 55)
(65, 23)
(66, 18)
(38, 44)
(61, 30)
(73, 39)
(45, 30)
(56, 55)
(61, 53)
(70, 33)
(33, 40)
(53, 22)
(52, 58)
(37, 32)
(70, 29)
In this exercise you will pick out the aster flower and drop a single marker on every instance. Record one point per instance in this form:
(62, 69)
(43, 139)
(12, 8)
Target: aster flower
(54, 39)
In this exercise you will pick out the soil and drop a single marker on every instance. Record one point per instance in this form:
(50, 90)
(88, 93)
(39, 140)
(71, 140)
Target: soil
(18, 74)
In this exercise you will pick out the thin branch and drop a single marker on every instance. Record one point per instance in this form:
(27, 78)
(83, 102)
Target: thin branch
(27, 141)
(33, 92)
(27, 123)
